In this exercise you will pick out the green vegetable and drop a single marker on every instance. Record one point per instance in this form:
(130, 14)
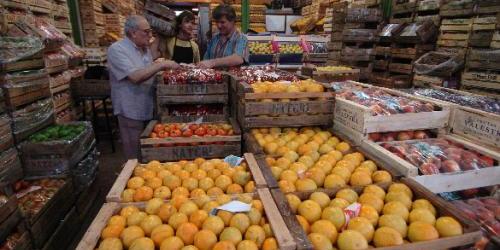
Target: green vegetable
(58, 132)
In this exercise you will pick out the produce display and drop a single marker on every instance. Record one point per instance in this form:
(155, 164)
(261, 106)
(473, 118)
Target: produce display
(189, 74)
(191, 129)
(260, 48)
(58, 132)
(400, 136)
(16, 48)
(11, 241)
(33, 195)
(434, 156)
(376, 217)
(290, 48)
(474, 101)
(485, 210)
(187, 179)
(309, 86)
(188, 224)
(379, 101)
(308, 159)
(332, 68)
(253, 74)
(196, 110)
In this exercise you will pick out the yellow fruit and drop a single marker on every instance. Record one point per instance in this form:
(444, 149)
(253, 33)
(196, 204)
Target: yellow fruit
(343, 147)
(135, 218)
(397, 208)
(339, 202)
(321, 198)
(293, 201)
(291, 156)
(256, 234)
(162, 193)
(381, 176)
(142, 243)
(215, 191)
(336, 154)
(128, 195)
(310, 210)
(135, 183)
(372, 200)
(153, 182)
(117, 220)
(250, 187)
(347, 164)
(198, 217)
(128, 210)
(225, 216)
(317, 175)
(320, 241)
(347, 194)
(188, 208)
(205, 239)
(153, 206)
(190, 167)
(298, 167)
(172, 243)
(190, 183)
(375, 190)
(196, 193)
(213, 173)
(214, 224)
(305, 184)
(223, 182)
(247, 245)
(241, 177)
(421, 231)
(360, 178)
(270, 244)
(343, 172)
(154, 166)
(112, 231)
(178, 200)
(234, 189)
(190, 247)
(334, 181)
(308, 161)
(326, 228)
(423, 203)
(351, 240)
(283, 163)
(395, 222)
(399, 196)
(386, 237)
(181, 191)
(423, 215)
(335, 215)
(160, 233)
(172, 182)
(400, 187)
(370, 213)
(130, 234)
(111, 244)
(363, 226)
(224, 245)
(182, 174)
(165, 211)
(186, 232)
(268, 230)
(289, 175)
(448, 226)
(270, 148)
(369, 165)
(240, 221)
(254, 215)
(303, 223)
(177, 219)
(231, 234)
(149, 223)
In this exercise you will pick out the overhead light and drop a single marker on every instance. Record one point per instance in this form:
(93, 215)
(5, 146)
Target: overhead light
(195, 9)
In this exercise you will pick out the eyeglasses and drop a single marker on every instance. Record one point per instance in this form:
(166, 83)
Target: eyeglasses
(147, 31)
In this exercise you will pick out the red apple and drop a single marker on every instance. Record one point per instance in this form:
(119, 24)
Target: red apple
(429, 169)
(469, 193)
(408, 109)
(419, 134)
(450, 166)
(403, 136)
(374, 137)
(487, 160)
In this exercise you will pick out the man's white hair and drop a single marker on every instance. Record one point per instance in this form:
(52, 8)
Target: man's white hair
(132, 24)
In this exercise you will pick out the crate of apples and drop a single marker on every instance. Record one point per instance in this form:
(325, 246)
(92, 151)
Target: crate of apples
(191, 224)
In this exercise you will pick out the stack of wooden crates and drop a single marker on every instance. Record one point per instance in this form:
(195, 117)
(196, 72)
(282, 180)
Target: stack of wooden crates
(92, 21)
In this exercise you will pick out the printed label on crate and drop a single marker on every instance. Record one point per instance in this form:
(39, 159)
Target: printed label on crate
(193, 88)
(349, 116)
(477, 127)
(286, 108)
(192, 152)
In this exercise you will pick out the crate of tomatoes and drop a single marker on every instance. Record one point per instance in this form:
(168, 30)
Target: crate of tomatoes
(183, 141)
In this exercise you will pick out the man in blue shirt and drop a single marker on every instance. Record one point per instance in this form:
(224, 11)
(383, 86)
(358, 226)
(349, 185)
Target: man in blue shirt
(228, 47)
(132, 71)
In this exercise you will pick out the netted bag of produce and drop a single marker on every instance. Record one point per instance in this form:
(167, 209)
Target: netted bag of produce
(438, 64)
(13, 49)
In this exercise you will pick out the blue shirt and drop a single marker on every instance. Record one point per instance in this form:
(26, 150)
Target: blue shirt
(133, 101)
(219, 46)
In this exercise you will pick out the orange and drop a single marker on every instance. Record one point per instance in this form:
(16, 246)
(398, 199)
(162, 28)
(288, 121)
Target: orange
(310, 210)
(234, 189)
(110, 244)
(386, 237)
(177, 219)
(160, 233)
(448, 226)
(190, 183)
(180, 191)
(205, 240)
(117, 220)
(215, 191)
(130, 234)
(165, 211)
(142, 243)
(186, 231)
(148, 174)
(256, 234)
(363, 226)
(421, 231)
(224, 245)
(172, 243)
(112, 231)
(153, 182)
(128, 195)
(231, 234)
(172, 182)
(270, 244)
(128, 210)
(369, 213)
(247, 245)
(188, 208)
(240, 221)
(198, 217)
(135, 182)
(303, 223)
(320, 241)
(149, 223)
(326, 228)
(214, 224)
(162, 193)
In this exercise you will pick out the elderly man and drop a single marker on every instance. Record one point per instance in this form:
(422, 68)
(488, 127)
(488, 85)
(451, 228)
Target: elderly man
(132, 73)
(229, 47)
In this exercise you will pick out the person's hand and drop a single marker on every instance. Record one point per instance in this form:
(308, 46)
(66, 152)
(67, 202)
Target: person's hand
(168, 64)
(207, 64)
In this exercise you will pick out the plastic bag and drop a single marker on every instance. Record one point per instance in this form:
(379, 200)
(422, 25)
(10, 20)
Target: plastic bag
(85, 171)
(434, 156)
(438, 64)
(388, 29)
(13, 49)
(32, 116)
(189, 74)
(25, 79)
(251, 74)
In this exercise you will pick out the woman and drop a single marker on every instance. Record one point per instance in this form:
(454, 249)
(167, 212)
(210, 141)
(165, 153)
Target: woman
(181, 48)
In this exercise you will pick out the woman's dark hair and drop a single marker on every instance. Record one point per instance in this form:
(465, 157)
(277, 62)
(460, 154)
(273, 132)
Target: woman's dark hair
(185, 16)
(224, 10)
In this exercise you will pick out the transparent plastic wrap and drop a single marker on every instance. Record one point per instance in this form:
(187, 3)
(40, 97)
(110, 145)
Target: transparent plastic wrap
(483, 210)
(16, 83)
(50, 34)
(434, 156)
(85, 171)
(55, 59)
(367, 34)
(483, 103)
(6, 139)
(72, 51)
(387, 31)
(360, 15)
(438, 64)
(33, 195)
(318, 47)
(161, 26)
(13, 49)
(251, 74)
(32, 116)
(189, 74)
(381, 102)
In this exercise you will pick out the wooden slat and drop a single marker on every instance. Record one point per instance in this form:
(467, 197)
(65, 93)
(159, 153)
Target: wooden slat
(192, 139)
(116, 190)
(254, 96)
(195, 99)
(290, 108)
(177, 153)
(93, 233)
(289, 121)
(257, 175)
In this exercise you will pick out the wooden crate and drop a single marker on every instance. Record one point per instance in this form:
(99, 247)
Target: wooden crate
(18, 93)
(43, 225)
(487, 59)
(283, 237)
(10, 214)
(457, 8)
(488, 7)
(443, 182)
(120, 184)
(495, 39)
(6, 139)
(471, 229)
(481, 79)
(176, 152)
(56, 157)
(359, 118)
(455, 32)
(330, 76)
(65, 232)
(9, 225)
(11, 170)
(412, 52)
(252, 113)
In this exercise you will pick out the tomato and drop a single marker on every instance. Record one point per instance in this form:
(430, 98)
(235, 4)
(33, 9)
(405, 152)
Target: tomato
(221, 132)
(193, 127)
(200, 131)
(230, 132)
(211, 132)
(205, 126)
(158, 127)
(161, 134)
(187, 133)
(175, 133)
(153, 135)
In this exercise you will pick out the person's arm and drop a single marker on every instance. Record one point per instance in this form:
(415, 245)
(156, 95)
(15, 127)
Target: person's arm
(122, 67)
(196, 52)
(228, 61)
(155, 48)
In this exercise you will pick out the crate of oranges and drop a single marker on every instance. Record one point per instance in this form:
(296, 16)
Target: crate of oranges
(403, 216)
(185, 180)
(195, 224)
